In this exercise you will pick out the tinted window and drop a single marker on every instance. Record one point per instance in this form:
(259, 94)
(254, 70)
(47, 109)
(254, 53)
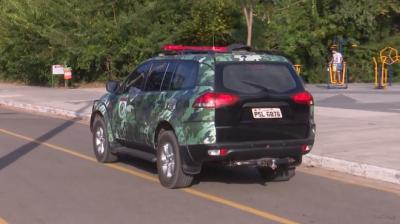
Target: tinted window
(156, 76)
(185, 75)
(168, 75)
(250, 78)
(137, 77)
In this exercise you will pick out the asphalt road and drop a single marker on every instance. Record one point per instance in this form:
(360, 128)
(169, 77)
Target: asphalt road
(48, 174)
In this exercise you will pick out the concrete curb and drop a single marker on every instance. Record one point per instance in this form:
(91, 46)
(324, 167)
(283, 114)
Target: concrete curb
(357, 169)
(45, 109)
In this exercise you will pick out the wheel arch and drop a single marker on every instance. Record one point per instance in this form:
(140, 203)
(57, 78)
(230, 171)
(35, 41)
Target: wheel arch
(188, 166)
(93, 116)
(100, 109)
(162, 125)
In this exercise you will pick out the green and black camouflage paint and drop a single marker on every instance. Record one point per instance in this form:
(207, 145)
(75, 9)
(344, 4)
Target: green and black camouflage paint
(138, 121)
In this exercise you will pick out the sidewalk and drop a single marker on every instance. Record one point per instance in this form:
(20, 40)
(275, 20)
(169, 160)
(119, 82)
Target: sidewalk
(60, 101)
(358, 129)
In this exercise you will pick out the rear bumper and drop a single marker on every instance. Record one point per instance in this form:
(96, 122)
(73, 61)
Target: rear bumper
(195, 155)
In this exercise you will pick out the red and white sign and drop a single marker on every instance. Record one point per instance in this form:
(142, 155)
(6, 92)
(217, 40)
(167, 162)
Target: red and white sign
(67, 73)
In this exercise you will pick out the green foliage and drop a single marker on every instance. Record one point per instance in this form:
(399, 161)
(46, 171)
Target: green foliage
(106, 39)
(306, 29)
(208, 23)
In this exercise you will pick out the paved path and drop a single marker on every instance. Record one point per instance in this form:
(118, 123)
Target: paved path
(48, 174)
(358, 129)
(69, 102)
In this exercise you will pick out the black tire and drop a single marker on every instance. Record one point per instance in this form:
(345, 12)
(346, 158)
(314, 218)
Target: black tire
(281, 173)
(169, 162)
(99, 139)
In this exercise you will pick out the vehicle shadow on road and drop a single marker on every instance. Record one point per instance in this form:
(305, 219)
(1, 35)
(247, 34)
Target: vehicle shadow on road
(229, 175)
(210, 173)
(13, 156)
(138, 163)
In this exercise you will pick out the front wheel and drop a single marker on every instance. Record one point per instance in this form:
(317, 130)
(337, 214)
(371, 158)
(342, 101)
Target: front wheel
(169, 163)
(101, 146)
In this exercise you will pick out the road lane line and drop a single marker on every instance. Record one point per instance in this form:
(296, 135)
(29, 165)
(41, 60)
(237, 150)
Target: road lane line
(2, 221)
(62, 149)
(371, 185)
(199, 194)
(239, 206)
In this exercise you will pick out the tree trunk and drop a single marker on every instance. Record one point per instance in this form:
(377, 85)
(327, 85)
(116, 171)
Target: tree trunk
(108, 68)
(248, 14)
(115, 17)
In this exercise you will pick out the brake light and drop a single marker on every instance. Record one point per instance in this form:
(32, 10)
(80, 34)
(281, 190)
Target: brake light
(303, 98)
(212, 100)
(306, 148)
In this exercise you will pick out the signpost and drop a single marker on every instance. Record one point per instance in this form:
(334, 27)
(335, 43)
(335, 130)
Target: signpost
(56, 70)
(61, 70)
(67, 75)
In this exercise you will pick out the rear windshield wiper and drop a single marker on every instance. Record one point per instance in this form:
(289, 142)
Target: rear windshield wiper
(258, 86)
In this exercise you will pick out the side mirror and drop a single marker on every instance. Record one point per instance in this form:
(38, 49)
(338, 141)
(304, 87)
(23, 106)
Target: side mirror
(112, 86)
(134, 91)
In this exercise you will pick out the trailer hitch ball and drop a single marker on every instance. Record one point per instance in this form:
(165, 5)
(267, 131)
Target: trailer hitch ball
(273, 165)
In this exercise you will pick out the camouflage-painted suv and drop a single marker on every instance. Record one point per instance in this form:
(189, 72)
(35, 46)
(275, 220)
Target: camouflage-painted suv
(180, 111)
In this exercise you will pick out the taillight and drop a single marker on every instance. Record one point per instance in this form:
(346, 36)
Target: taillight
(303, 98)
(215, 100)
(306, 148)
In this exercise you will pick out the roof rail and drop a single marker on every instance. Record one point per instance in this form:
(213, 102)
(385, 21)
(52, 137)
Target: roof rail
(274, 52)
(238, 47)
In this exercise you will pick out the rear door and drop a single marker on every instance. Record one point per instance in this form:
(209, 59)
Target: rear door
(150, 103)
(266, 110)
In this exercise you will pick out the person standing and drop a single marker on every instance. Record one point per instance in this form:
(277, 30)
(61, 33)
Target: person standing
(336, 62)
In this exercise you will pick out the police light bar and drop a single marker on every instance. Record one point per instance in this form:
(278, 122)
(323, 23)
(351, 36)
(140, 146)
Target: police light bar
(171, 47)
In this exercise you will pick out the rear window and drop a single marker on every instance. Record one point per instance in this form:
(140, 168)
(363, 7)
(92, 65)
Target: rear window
(185, 75)
(156, 76)
(251, 78)
(168, 76)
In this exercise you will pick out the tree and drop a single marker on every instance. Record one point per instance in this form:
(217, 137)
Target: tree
(247, 7)
(252, 8)
(209, 22)
(106, 39)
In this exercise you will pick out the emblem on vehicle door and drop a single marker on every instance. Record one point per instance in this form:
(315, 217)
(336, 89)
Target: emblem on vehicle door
(122, 107)
(171, 104)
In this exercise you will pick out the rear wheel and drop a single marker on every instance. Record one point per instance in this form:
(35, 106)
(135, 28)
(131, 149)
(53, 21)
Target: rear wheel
(281, 173)
(101, 146)
(169, 163)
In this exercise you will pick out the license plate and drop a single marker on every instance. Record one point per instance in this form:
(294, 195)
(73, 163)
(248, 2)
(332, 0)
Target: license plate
(259, 113)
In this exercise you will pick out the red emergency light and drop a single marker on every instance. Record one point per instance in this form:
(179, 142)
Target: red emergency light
(171, 47)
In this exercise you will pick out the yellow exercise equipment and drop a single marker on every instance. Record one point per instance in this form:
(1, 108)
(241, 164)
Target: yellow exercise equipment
(337, 75)
(383, 68)
(297, 67)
